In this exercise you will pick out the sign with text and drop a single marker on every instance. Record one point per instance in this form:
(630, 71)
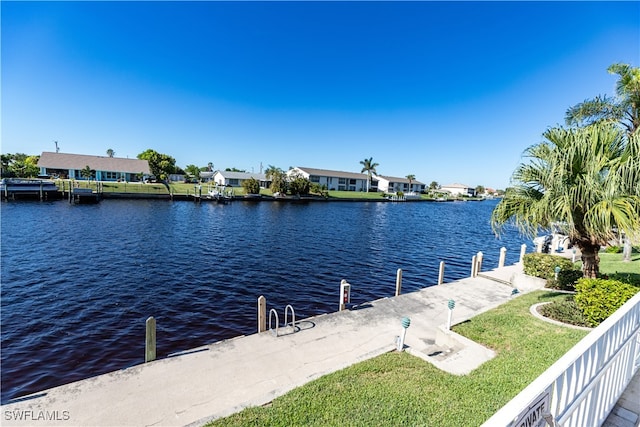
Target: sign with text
(533, 415)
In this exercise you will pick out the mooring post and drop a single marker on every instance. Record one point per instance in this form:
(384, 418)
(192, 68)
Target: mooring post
(150, 345)
(262, 314)
(398, 281)
(441, 273)
(479, 258)
(503, 255)
(345, 294)
(474, 265)
(523, 250)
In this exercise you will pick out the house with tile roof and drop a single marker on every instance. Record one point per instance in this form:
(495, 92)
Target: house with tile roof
(335, 180)
(235, 179)
(458, 190)
(391, 184)
(69, 166)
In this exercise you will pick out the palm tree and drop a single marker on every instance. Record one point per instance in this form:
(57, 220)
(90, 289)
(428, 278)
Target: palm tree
(587, 179)
(410, 178)
(110, 152)
(624, 110)
(369, 167)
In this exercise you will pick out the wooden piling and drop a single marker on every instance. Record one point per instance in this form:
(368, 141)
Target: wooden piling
(441, 273)
(150, 345)
(398, 281)
(479, 259)
(503, 255)
(523, 250)
(262, 314)
(474, 265)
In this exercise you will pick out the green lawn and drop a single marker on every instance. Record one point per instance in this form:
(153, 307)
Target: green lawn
(399, 389)
(614, 263)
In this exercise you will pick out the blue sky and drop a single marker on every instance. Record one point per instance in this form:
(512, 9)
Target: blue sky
(446, 91)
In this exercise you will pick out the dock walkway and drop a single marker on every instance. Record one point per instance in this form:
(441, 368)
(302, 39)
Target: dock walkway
(217, 380)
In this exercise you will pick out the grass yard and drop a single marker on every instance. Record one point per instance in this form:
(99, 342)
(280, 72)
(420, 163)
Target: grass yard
(399, 389)
(614, 263)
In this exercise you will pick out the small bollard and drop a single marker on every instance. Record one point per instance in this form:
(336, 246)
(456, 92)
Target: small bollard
(441, 273)
(573, 256)
(398, 282)
(451, 304)
(405, 324)
(557, 270)
(150, 342)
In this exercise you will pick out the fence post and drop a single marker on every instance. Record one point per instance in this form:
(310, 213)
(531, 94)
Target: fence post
(398, 281)
(523, 250)
(150, 345)
(262, 314)
(503, 255)
(441, 273)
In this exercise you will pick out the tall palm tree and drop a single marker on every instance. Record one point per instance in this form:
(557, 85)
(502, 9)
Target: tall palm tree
(624, 109)
(410, 177)
(587, 179)
(369, 166)
(110, 152)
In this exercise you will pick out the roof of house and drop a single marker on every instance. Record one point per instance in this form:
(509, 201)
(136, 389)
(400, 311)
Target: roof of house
(243, 175)
(52, 160)
(397, 179)
(333, 174)
(455, 186)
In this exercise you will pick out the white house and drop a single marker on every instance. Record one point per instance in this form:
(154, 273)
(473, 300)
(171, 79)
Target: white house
(391, 184)
(106, 168)
(335, 180)
(458, 190)
(235, 179)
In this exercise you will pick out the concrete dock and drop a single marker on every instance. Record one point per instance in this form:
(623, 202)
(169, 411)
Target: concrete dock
(217, 380)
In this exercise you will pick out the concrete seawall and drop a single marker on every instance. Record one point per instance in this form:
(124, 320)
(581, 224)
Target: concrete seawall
(219, 379)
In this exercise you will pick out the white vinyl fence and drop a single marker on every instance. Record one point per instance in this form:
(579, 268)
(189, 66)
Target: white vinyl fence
(583, 386)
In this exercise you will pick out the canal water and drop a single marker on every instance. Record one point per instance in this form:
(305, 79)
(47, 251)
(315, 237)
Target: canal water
(79, 281)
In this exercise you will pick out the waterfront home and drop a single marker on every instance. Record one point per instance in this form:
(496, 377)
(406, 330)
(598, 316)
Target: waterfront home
(391, 184)
(458, 190)
(335, 180)
(235, 179)
(70, 166)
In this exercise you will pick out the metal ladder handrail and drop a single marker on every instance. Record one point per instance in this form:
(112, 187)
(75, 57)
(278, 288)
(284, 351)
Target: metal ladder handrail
(293, 317)
(273, 311)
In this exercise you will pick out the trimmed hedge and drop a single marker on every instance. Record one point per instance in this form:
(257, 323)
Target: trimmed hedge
(544, 265)
(600, 298)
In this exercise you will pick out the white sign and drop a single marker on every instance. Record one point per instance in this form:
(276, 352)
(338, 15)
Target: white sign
(533, 415)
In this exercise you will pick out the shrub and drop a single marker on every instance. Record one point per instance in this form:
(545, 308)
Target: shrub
(600, 298)
(613, 249)
(566, 280)
(251, 186)
(544, 265)
(564, 310)
(630, 278)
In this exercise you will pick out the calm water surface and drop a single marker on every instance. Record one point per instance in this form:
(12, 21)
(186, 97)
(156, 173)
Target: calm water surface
(78, 282)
